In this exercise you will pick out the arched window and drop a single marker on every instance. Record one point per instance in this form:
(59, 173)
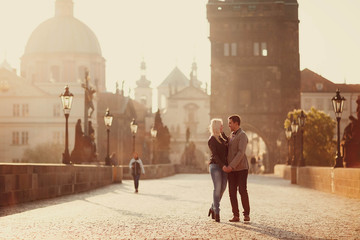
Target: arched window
(143, 100)
(191, 117)
(163, 101)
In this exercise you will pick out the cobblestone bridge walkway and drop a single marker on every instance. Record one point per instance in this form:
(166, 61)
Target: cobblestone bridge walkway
(176, 208)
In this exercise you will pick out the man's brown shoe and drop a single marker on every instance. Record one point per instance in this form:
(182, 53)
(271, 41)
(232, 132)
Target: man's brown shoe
(246, 218)
(234, 219)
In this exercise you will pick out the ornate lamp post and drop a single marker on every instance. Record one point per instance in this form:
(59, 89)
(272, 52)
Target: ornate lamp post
(288, 137)
(108, 121)
(133, 127)
(338, 105)
(153, 132)
(302, 119)
(66, 100)
(294, 129)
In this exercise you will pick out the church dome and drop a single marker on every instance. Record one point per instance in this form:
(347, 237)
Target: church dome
(63, 34)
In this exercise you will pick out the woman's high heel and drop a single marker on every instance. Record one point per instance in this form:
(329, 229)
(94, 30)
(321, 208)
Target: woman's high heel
(212, 213)
(217, 217)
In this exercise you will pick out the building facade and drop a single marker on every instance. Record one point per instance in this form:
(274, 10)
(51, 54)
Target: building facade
(317, 92)
(186, 110)
(58, 53)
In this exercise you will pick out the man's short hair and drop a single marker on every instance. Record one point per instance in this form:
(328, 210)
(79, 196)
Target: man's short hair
(235, 118)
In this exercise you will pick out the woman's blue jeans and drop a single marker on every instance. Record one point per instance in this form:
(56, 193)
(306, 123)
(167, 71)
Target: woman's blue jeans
(219, 178)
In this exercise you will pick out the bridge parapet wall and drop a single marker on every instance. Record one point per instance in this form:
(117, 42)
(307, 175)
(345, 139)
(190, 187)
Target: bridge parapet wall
(340, 181)
(29, 182)
(151, 171)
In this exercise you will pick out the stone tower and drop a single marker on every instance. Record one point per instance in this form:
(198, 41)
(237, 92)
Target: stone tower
(255, 65)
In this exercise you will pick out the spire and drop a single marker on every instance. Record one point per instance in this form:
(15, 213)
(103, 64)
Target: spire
(117, 91)
(193, 74)
(64, 8)
(194, 69)
(143, 82)
(143, 68)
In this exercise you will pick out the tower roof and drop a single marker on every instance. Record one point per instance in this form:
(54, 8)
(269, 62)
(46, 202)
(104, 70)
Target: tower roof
(175, 78)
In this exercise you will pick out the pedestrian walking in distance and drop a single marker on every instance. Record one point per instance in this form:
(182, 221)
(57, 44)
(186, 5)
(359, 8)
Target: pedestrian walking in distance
(136, 168)
(218, 147)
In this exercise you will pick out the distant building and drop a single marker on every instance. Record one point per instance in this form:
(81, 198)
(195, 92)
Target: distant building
(186, 106)
(57, 54)
(317, 92)
(29, 116)
(123, 110)
(173, 83)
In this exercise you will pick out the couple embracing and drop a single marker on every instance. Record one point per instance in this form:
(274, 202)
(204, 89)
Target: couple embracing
(228, 163)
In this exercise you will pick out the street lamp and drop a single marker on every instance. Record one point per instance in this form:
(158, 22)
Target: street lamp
(338, 105)
(108, 121)
(288, 137)
(133, 127)
(66, 100)
(153, 132)
(294, 129)
(302, 119)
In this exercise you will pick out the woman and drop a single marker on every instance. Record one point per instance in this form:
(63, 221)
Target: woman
(136, 167)
(218, 147)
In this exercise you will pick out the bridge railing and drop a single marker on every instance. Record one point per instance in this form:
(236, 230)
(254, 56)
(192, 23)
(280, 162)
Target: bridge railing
(29, 182)
(340, 181)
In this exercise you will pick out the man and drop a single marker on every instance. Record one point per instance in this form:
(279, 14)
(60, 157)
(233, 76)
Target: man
(237, 169)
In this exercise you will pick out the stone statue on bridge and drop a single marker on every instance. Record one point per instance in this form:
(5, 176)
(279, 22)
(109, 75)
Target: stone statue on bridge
(351, 140)
(84, 147)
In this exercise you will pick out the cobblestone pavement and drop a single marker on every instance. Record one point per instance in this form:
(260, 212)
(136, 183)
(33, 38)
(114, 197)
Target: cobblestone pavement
(176, 208)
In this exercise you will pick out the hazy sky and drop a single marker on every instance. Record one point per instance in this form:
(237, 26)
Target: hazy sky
(174, 32)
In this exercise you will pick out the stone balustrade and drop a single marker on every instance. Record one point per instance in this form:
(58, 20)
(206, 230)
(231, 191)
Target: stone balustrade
(340, 181)
(151, 171)
(29, 182)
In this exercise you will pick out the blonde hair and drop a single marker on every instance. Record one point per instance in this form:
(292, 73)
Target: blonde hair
(214, 127)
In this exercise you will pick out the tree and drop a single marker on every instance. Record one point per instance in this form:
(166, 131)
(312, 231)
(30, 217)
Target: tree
(44, 153)
(162, 140)
(319, 144)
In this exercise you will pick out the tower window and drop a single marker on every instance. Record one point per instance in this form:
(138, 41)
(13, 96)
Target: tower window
(252, 7)
(226, 49)
(256, 49)
(233, 49)
(264, 51)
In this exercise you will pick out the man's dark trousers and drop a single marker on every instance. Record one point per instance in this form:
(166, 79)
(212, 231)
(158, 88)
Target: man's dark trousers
(239, 179)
